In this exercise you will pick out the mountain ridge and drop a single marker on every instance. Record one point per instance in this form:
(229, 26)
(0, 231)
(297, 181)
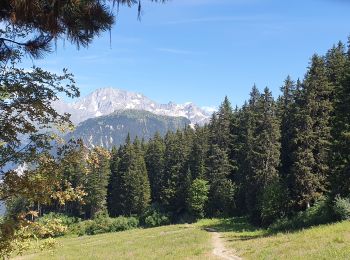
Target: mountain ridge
(105, 101)
(112, 130)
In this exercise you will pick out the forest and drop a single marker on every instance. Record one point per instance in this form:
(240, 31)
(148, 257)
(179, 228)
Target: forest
(270, 160)
(280, 161)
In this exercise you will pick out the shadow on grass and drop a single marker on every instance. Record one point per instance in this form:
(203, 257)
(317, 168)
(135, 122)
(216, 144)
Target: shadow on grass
(238, 224)
(243, 230)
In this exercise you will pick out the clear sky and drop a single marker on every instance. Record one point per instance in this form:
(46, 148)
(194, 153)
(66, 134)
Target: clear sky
(202, 50)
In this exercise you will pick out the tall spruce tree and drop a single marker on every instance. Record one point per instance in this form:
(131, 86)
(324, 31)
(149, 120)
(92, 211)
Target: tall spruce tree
(336, 62)
(310, 158)
(340, 159)
(265, 154)
(286, 107)
(138, 193)
(175, 178)
(238, 155)
(115, 197)
(96, 182)
(247, 119)
(221, 127)
(199, 152)
(130, 192)
(221, 192)
(155, 165)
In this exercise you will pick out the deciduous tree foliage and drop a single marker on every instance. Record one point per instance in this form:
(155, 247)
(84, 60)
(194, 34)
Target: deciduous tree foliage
(266, 159)
(96, 182)
(26, 112)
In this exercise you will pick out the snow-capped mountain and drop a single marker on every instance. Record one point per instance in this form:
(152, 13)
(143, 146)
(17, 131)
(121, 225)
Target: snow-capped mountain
(105, 101)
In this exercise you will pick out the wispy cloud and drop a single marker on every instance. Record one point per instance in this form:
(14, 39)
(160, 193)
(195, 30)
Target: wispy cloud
(104, 58)
(177, 51)
(220, 19)
(209, 2)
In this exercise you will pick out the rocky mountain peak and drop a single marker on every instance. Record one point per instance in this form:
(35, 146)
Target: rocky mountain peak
(105, 101)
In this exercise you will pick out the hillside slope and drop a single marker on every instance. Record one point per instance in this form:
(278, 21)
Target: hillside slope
(194, 242)
(110, 130)
(320, 242)
(169, 242)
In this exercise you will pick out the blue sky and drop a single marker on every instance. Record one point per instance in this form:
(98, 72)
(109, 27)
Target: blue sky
(202, 50)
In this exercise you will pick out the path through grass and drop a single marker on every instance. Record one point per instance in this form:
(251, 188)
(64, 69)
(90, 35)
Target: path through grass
(322, 242)
(193, 242)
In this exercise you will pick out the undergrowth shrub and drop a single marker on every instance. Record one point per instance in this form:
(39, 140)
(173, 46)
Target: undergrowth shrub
(341, 208)
(101, 225)
(51, 225)
(319, 213)
(155, 217)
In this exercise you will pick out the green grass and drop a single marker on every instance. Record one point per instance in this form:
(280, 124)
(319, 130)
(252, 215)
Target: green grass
(193, 242)
(321, 242)
(169, 242)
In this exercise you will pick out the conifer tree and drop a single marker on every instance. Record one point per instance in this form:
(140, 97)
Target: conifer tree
(265, 153)
(198, 152)
(138, 193)
(175, 179)
(247, 120)
(115, 196)
(221, 192)
(221, 129)
(336, 62)
(130, 192)
(310, 158)
(286, 107)
(340, 158)
(235, 143)
(155, 165)
(96, 182)
(238, 154)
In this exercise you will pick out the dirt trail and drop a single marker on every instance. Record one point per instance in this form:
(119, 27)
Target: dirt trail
(219, 248)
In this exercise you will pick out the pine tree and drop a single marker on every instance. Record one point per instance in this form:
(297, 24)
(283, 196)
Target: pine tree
(265, 153)
(221, 129)
(155, 165)
(286, 107)
(244, 136)
(115, 196)
(138, 193)
(198, 152)
(175, 179)
(235, 143)
(340, 158)
(221, 192)
(96, 182)
(310, 158)
(130, 190)
(336, 62)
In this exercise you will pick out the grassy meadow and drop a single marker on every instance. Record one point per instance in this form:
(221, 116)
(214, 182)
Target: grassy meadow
(168, 242)
(193, 242)
(330, 241)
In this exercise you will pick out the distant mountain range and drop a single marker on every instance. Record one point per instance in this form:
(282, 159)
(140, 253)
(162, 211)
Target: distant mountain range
(110, 130)
(106, 116)
(106, 101)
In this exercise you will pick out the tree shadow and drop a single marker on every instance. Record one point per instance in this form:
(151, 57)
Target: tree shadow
(247, 231)
(237, 224)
